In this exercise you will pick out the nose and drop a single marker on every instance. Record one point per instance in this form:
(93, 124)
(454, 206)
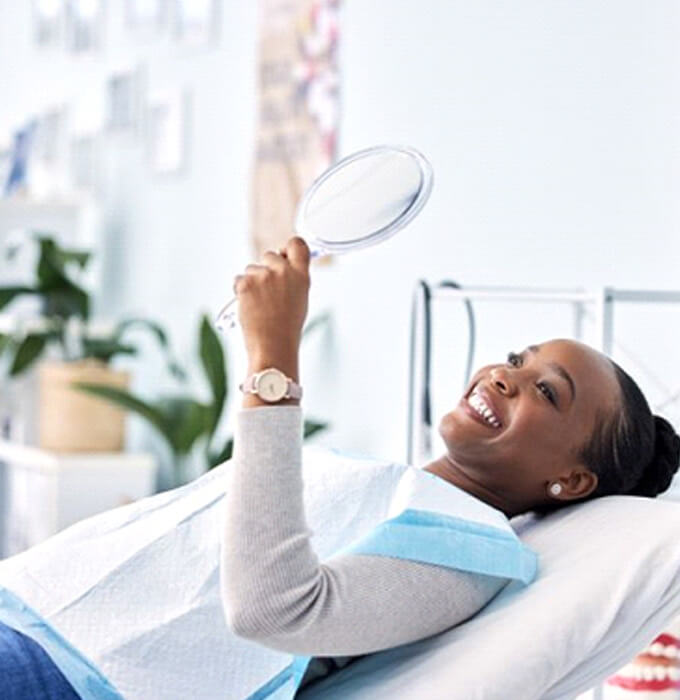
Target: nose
(503, 382)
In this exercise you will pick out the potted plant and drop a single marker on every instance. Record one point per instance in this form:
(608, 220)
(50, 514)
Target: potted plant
(185, 421)
(69, 421)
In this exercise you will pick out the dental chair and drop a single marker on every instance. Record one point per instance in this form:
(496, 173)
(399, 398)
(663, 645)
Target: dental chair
(608, 581)
(608, 584)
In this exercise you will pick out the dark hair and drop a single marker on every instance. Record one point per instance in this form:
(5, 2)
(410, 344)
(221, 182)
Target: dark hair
(634, 452)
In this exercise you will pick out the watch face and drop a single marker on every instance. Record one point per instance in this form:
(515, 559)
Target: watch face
(272, 385)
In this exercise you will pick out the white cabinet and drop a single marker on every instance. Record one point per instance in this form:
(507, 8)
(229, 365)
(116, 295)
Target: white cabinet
(43, 492)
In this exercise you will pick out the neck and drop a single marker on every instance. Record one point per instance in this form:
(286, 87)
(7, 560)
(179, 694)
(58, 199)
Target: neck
(450, 471)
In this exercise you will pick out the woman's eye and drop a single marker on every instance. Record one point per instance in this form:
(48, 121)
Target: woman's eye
(514, 359)
(547, 392)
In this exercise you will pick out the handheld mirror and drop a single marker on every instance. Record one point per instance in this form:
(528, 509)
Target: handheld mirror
(361, 200)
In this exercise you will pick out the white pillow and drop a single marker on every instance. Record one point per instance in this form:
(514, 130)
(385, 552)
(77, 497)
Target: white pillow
(608, 583)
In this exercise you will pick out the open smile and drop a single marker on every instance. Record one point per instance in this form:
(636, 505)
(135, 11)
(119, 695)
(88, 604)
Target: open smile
(479, 406)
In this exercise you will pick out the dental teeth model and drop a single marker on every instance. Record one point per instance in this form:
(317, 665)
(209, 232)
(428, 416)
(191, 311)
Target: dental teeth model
(654, 674)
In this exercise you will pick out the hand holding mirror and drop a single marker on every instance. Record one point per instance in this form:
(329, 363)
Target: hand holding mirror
(361, 200)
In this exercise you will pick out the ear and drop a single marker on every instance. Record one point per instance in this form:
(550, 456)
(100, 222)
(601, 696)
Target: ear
(580, 483)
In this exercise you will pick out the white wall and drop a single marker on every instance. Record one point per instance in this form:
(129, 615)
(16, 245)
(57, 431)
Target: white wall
(553, 131)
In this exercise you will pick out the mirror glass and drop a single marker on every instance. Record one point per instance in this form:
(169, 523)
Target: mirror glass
(364, 198)
(360, 201)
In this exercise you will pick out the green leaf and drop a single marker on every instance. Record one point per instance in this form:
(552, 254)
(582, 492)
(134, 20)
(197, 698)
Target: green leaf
(212, 358)
(105, 348)
(177, 371)
(188, 420)
(126, 400)
(54, 258)
(7, 294)
(161, 336)
(216, 458)
(63, 297)
(311, 427)
(316, 322)
(67, 257)
(66, 300)
(29, 350)
(155, 328)
(5, 341)
(50, 272)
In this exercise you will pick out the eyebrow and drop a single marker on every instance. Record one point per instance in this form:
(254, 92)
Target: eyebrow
(559, 369)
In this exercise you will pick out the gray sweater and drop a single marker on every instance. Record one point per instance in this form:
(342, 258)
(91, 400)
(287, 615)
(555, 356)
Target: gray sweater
(275, 591)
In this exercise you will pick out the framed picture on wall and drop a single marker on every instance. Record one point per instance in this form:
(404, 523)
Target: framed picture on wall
(84, 25)
(49, 161)
(85, 162)
(167, 131)
(196, 21)
(124, 99)
(50, 144)
(146, 17)
(5, 160)
(48, 22)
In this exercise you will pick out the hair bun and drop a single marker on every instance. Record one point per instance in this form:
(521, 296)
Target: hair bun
(658, 474)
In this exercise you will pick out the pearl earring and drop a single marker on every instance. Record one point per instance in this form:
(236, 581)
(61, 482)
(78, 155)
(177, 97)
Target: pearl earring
(555, 489)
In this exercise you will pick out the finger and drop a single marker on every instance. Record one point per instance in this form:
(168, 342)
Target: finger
(298, 253)
(274, 260)
(238, 284)
(254, 269)
(278, 251)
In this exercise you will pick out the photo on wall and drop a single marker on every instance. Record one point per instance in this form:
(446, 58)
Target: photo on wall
(124, 100)
(85, 163)
(84, 25)
(167, 131)
(48, 22)
(147, 17)
(196, 21)
(51, 135)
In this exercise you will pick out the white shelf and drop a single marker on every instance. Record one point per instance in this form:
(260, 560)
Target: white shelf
(45, 491)
(72, 218)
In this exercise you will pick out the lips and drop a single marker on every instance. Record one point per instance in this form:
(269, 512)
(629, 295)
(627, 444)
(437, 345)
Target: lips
(655, 669)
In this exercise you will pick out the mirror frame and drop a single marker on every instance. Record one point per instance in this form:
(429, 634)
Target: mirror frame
(404, 219)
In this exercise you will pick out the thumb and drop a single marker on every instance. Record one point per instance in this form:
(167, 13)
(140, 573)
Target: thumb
(298, 253)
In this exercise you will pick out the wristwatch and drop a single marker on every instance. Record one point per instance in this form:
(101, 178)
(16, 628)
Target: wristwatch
(271, 385)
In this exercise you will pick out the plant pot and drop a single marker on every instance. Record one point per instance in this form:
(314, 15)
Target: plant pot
(72, 421)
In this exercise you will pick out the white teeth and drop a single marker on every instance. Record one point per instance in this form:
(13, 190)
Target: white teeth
(477, 402)
(648, 673)
(658, 649)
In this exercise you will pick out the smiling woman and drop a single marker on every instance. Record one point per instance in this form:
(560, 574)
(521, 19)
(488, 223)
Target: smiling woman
(400, 553)
(553, 425)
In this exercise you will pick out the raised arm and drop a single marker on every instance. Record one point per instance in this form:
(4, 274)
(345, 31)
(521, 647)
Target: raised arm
(274, 588)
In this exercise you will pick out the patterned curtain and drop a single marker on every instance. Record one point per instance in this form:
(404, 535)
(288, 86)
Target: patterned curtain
(298, 100)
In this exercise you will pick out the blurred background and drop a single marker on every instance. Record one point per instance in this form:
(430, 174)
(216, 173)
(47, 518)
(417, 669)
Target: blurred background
(145, 132)
(150, 149)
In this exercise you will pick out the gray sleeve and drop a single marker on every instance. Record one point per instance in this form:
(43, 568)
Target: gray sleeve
(276, 591)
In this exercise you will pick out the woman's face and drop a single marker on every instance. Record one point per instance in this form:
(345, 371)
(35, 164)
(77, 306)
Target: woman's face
(520, 425)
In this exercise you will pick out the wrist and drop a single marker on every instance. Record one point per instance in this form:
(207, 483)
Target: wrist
(287, 362)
